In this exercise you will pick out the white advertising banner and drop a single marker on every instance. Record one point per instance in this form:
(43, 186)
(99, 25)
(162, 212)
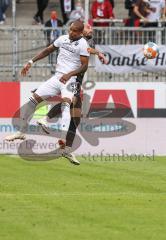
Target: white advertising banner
(147, 137)
(120, 118)
(130, 59)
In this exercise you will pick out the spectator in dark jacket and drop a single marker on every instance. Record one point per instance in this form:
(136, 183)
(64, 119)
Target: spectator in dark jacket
(54, 23)
(52, 34)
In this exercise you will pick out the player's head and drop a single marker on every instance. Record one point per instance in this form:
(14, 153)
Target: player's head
(53, 15)
(88, 31)
(76, 30)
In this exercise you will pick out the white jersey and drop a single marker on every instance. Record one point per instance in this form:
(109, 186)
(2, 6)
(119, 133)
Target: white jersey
(69, 53)
(157, 6)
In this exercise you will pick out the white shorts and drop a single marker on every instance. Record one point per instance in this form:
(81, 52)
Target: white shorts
(53, 87)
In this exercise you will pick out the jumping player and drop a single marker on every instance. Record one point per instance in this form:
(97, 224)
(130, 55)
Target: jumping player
(72, 61)
(75, 106)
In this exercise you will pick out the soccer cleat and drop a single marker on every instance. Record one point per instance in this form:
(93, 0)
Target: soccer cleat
(70, 156)
(17, 135)
(43, 123)
(63, 151)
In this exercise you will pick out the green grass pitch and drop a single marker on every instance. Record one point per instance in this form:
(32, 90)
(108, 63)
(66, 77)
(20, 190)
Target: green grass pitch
(94, 201)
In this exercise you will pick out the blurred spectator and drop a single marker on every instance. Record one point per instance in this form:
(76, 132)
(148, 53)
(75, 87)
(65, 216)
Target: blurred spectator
(41, 5)
(53, 23)
(112, 3)
(53, 34)
(78, 13)
(3, 7)
(102, 9)
(141, 10)
(138, 10)
(66, 7)
(150, 12)
(129, 5)
(157, 8)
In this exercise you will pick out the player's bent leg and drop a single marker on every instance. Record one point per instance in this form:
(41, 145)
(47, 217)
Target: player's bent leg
(54, 111)
(27, 113)
(74, 123)
(65, 120)
(67, 96)
(65, 151)
(64, 147)
(43, 122)
(48, 89)
(75, 120)
(29, 110)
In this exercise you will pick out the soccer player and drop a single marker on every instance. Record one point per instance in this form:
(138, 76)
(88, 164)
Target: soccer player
(72, 61)
(75, 106)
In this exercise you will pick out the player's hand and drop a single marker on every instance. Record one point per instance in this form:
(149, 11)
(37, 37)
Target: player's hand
(102, 58)
(65, 78)
(25, 69)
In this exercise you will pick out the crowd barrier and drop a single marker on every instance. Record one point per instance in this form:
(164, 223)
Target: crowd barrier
(18, 45)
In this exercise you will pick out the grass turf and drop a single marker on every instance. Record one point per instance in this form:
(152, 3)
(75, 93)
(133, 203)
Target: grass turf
(94, 201)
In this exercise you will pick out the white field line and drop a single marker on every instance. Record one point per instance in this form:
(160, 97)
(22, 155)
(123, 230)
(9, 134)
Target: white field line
(82, 194)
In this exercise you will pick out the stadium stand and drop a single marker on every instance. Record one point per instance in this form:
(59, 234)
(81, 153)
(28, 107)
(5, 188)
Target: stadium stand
(26, 9)
(27, 40)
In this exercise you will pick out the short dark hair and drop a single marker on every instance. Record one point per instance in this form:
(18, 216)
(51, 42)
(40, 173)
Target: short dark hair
(79, 24)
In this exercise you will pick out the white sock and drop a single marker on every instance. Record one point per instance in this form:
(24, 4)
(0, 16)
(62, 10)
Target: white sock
(28, 111)
(65, 121)
(67, 149)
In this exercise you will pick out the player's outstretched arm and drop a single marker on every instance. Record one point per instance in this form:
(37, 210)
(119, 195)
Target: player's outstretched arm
(84, 66)
(44, 53)
(99, 54)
